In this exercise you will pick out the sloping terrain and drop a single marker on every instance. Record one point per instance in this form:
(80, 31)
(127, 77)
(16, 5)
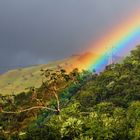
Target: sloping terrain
(19, 80)
(16, 81)
(78, 106)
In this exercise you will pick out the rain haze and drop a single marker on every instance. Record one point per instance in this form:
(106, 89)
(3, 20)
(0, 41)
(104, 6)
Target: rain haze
(40, 31)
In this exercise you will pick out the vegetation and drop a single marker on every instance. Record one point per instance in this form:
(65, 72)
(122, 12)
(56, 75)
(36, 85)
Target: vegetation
(16, 81)
(77, 105)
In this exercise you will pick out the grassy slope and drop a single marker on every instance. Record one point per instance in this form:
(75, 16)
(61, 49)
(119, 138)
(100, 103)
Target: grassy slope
(16, 81)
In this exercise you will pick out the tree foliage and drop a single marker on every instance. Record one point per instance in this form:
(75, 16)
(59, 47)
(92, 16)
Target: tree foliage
(87, 106)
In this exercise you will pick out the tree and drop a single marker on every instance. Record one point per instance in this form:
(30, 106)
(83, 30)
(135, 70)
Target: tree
(55, 81)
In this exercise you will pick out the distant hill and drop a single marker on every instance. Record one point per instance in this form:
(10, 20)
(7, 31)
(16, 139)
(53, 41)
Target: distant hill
(18, 80)
(15, 81)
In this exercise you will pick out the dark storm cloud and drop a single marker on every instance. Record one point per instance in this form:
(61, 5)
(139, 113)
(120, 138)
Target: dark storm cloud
(37, 31)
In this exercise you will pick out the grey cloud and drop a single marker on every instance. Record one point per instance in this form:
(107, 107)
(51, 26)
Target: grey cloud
(38, 31)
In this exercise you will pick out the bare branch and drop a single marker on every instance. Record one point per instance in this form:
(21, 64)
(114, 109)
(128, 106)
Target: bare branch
(57, 100)
(28, 109)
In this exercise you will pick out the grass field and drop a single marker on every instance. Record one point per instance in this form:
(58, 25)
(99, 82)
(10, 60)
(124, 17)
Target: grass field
(18, 80)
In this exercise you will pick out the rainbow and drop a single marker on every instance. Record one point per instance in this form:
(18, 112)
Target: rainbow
(120, 37)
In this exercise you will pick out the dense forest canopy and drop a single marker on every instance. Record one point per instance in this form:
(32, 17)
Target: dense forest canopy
(77, 105)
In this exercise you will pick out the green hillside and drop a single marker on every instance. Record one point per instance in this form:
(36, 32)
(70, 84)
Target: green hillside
(79, 105)
(16, 81)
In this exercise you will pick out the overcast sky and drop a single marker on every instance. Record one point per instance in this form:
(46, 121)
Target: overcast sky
(39, 31)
